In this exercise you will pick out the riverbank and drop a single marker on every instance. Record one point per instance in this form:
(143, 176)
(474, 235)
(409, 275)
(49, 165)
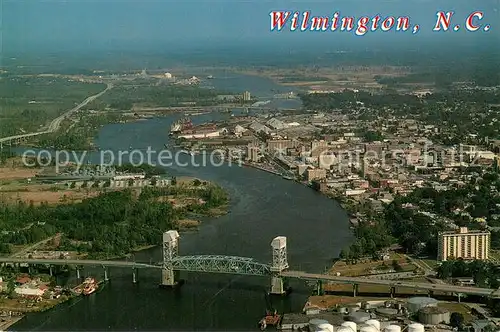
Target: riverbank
(8, 321)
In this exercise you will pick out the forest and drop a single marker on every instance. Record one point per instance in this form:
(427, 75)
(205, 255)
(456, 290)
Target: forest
(26, 103)
(111, 224)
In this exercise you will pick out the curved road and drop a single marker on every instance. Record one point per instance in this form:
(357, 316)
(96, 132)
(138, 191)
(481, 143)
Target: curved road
(56, 123)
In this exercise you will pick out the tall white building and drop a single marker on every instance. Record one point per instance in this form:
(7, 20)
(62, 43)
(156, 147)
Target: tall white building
(464, 244)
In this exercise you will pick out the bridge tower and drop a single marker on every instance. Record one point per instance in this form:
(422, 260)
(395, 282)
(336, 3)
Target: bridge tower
(279, 264)
(170, 251)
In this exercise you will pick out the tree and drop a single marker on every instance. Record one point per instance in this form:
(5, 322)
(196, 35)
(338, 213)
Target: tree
(11, 286)
(456, 320)
(344, 254)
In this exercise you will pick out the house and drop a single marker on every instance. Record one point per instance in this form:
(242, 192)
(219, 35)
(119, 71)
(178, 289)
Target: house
(23, 280)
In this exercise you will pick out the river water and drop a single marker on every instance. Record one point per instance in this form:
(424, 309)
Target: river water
(262, 206)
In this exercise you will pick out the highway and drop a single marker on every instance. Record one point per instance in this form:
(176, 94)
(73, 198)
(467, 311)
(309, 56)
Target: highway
(79, 262)
(56, 123)
(395, 283)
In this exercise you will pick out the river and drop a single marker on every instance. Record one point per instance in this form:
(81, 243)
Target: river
(262, 206)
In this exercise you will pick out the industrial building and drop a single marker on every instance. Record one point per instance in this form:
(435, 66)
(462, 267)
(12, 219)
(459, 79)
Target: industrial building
(464, 243)
(253, 153)
(246, 96)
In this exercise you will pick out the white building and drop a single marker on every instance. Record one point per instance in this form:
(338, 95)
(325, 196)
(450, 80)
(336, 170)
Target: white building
(28, 291)
(128, 177)
(276, 124)
(208, 134)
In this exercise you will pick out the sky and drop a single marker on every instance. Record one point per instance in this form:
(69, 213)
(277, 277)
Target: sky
(107, 24)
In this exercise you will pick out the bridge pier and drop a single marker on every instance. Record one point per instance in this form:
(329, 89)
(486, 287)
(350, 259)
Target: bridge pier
(393, 292)
(280, 263)
(355, 289)
(50, 270)
(77, 272)
(134, 275)
(277, 286)
(105, 273)
(319, 288)
(169, 278)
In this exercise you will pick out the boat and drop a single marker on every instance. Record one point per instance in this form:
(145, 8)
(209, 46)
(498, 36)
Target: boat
(182, 124)
(90, 287)
(210, 77)
(270, 318)
(286, 177)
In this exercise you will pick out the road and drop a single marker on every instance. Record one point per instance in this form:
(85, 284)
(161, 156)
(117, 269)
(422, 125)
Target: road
(56, 123)
(31, 247)
(395, 283)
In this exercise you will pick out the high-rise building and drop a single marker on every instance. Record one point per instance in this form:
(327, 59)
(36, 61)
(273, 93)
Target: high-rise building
(465, 244)
(246, 96)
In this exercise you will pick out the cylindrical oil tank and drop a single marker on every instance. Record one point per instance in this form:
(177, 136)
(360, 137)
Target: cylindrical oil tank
(326, 327)
(416, 327)
(368, 328)
(344, 310)
(433, 316)
(417, 303)
(353, 308)
(387, 312)
(344, 329)
(373, 322)
(350, 325)
(315, 323)
(359, 317)
(392, 328)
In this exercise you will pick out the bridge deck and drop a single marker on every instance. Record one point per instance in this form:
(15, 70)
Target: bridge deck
(394, 283)
(79, 262)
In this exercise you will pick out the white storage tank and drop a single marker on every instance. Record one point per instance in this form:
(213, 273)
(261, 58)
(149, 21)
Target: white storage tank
(350, 325)
(315, 323)
(368, 328)
(359, 317)
(416, 327)
(392, 328)
(373, 322)
(433, 316)
(344, 329)
(419, 302)
(326, 327)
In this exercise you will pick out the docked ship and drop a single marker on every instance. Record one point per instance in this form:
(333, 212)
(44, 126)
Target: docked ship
(179, 126)
(90, 287)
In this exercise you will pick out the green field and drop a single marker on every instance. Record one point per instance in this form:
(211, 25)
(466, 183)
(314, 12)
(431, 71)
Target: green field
(29, 102)
(144, 94)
